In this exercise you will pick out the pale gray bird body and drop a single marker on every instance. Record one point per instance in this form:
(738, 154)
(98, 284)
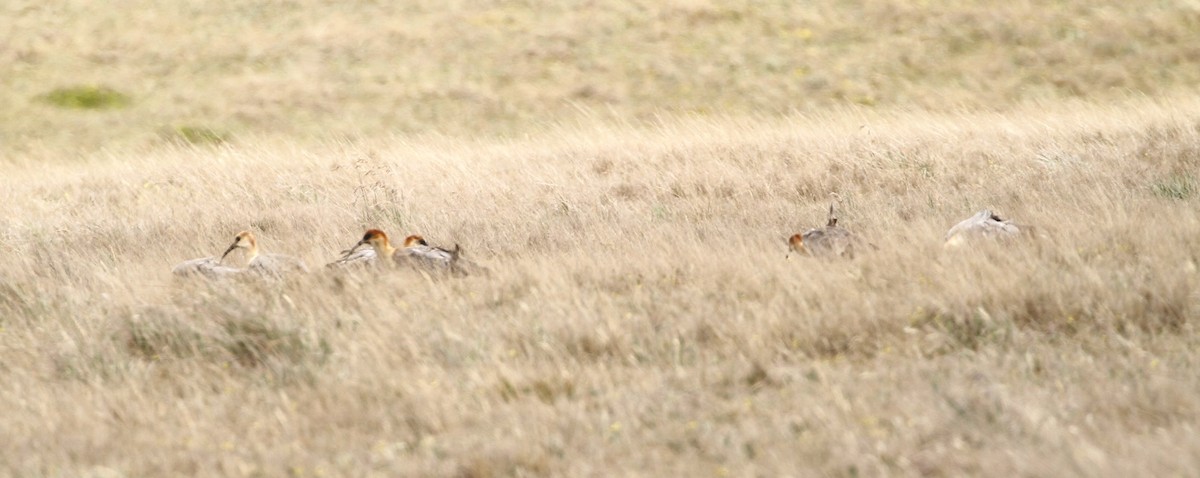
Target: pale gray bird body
(984, 224)
(418, 253)
(365, 257)
(207, 267)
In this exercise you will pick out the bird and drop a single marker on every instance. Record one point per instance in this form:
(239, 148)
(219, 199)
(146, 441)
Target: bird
(267, 265)
(415, 252)
(984, 224)
(418, 253)
(207, 267)
(379, 252)
(828, 241)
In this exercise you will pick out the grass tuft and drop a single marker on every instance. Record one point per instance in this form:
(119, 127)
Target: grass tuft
(1176, 186)
(196, 135)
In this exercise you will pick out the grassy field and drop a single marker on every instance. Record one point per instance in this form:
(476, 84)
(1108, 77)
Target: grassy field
(308, 68)
(630, 173)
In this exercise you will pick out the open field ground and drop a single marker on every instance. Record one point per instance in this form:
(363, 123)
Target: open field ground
(640, 317)
(629, 173)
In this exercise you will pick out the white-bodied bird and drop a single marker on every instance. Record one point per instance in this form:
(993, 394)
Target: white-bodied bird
(268, 265)
(984, 224)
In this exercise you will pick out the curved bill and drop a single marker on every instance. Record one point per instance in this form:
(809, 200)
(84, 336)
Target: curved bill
(346, 253)
(227, 251)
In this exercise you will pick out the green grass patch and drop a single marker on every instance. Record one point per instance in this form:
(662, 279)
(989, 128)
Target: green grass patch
(1176, 186)
(87, 98)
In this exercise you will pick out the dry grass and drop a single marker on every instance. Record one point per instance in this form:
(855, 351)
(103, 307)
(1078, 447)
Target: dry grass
(629, 171)
(309, 67)
(640, 319)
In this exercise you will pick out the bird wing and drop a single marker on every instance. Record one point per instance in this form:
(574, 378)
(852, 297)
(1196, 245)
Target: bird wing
(1000, 228)
(984, 223)
(829, 240)
(971, 224)
(362, 257)
(814, 238)
(277, 264)
(208, 267)
(425, 256)
(820, 240)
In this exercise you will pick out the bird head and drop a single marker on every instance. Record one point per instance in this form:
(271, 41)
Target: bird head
(375, 238)
(415, 240)
(244, 240)
(796, 245)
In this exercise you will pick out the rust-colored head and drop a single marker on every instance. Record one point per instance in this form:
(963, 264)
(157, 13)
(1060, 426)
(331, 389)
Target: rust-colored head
(796, 243)
(373, 236)
(796, 246)
(415, 240)
(377, 239)
(244, 240)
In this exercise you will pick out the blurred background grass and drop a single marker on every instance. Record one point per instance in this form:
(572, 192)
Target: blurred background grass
(310, 68)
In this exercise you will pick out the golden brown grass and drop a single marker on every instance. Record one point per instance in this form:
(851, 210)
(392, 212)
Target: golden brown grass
(629, 171)
(640, 318)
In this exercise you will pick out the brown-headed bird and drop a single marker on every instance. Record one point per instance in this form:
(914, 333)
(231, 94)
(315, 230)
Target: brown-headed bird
(266, 265)
(828, 241)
